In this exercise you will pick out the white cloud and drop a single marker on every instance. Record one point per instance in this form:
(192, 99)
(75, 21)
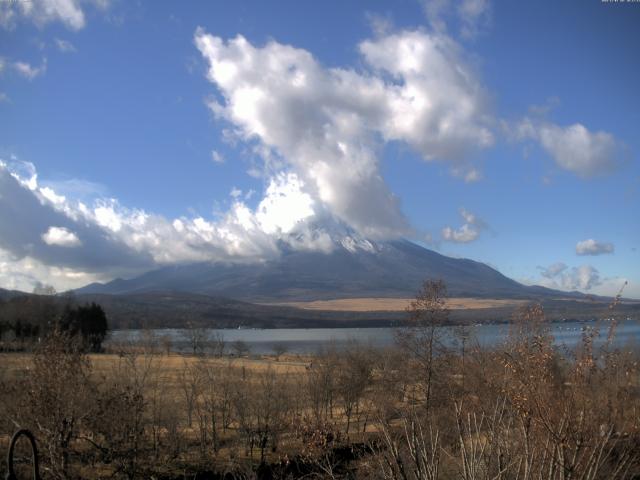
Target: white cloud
(65, 46)
(325, 124)
(575, 148)
(470, 175)
(586, 277)
(593, 247)
(118, 241)
(52, 196)
(560, 276)
(61, 237)
(435, 11)
(472, 219)
(546, 107)
(29, 71)
(42, 12)
(4, 98)
(438, 106)
(106, 216)
(470, 16)
(468, 232)
(78, 189)
(285, 205)
(31, 210)
(465, 234)
(217, 157)
(553, 270)
(380, 24)
(474, 15)
(24, 172)
(26, 273)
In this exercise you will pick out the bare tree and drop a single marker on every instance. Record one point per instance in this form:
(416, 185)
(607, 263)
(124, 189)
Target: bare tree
(261, 408)
(279, 349)
(149, 341)
(190, 380)
(117, 427)
(321, 384)
(410, 453)
(218, 344)
(58, 398)
(167, 342)
(421, 338)
(241, 348)
(197, 338)
(353, 377)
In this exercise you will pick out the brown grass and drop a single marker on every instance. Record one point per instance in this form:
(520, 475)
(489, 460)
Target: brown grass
(397, 304)
(170, 365)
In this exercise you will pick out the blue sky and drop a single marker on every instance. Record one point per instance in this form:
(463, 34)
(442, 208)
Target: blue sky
(162, 133)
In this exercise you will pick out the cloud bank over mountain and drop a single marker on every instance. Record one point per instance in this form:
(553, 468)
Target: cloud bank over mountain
(319, 132)
(70, 242)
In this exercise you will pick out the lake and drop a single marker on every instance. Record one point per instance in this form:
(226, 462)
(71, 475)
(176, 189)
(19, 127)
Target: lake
(311, 340)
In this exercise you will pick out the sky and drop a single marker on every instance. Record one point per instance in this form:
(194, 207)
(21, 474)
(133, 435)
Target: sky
(135, 135)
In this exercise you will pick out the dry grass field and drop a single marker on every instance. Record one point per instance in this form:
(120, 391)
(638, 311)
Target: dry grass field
(177, 401)
(169, 367)
(397, 304)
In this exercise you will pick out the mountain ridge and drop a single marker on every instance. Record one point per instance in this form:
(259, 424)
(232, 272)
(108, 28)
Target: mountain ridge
(376, 269)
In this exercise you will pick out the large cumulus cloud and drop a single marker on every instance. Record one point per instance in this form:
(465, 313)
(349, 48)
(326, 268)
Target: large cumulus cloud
(327, 123)
(50, 235)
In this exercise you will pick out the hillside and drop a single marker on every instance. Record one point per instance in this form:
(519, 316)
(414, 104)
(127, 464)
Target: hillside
(384, 269)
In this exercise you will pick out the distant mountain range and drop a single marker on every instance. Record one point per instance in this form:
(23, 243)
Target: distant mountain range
(233, 295)
(9, 294)
(356, 268)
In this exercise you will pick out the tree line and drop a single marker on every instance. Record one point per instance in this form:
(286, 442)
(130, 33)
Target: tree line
(27, 320)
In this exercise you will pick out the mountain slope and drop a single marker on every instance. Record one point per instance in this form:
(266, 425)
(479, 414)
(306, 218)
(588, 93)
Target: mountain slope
(389, 269)
(9, 294)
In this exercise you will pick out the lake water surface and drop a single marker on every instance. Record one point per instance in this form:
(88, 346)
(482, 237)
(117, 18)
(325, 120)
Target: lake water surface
(311, 340)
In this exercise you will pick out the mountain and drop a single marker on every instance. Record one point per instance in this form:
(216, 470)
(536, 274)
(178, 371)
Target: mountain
(356, 268)
(9, 294)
